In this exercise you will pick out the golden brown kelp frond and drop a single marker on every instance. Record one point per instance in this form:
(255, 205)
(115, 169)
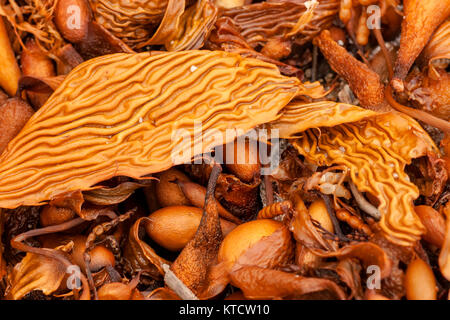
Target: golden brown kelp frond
(421, 19)
(376, 150)
(375, 147)
(137, 118)
(436, 54)
(260, 22)
(34, 17)
(131, 21)
(182, 29)
(364, 82)
(226, 36)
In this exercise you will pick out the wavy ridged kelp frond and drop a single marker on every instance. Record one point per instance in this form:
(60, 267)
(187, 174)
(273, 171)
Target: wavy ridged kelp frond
(376, 148)
(116, 115)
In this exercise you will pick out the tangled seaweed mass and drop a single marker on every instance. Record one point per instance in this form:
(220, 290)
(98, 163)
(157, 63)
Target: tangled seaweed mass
(224, 149)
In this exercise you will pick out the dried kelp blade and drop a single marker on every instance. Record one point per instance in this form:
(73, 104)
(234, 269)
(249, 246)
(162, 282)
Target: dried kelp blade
(376, 161)
(121, 114)
(375, 147)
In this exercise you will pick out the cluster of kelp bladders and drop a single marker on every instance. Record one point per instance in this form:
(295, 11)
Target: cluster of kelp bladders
(94, 204)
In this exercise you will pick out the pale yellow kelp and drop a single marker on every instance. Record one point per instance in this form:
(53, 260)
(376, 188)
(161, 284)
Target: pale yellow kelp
(374, 147)
(117, 115)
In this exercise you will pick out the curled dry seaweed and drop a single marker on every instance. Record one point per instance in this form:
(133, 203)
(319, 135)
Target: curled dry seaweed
(140, 257)
(114, 195)
(36, 272)
(364, 82)
(260, 283)
(365, 150)
(378, 167)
